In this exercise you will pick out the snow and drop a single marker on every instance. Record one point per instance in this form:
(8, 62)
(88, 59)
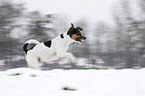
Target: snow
(30, 82)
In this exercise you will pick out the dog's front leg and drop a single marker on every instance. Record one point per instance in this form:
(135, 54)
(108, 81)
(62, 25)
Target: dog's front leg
(66, 56)
(72, 57)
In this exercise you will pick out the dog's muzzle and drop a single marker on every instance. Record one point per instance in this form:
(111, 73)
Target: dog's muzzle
(81, 39)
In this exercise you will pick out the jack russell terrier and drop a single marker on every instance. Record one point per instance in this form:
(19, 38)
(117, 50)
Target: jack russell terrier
(55, 49)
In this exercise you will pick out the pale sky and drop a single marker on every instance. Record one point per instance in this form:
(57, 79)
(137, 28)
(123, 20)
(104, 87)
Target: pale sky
(92, 10)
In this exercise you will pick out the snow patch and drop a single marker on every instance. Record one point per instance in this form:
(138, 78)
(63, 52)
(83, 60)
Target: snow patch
(30, 82)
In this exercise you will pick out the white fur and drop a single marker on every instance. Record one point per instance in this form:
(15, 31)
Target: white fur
(58, 50)
(32, 41)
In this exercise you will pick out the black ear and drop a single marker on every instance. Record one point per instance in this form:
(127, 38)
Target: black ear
(79, 28)
(72, 25)
(70, 29)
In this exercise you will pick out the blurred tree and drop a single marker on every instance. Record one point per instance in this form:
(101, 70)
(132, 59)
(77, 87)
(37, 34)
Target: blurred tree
(101, 33)
(9, 12)
(9, 15)
(60, 23)
(129, 33)
(39, 26)
(104, 41)
(140, 26)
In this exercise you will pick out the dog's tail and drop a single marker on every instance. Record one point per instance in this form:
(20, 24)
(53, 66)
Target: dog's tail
(29, 42)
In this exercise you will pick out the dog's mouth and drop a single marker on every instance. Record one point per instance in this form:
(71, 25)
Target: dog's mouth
(81, 39)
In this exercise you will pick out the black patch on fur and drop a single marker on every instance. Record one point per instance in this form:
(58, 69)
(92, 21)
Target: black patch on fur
(48, 43)
(32, 47)
(25, 47)
(62, 36)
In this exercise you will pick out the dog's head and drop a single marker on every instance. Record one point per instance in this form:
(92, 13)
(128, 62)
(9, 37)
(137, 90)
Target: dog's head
(75, 34)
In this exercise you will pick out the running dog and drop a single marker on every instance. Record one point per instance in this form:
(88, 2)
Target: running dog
(55, 49)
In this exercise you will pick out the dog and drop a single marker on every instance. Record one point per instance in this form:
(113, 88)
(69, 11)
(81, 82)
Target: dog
(55, 49)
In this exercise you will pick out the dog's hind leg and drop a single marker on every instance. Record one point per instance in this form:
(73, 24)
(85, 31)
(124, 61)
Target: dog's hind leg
(34, 62)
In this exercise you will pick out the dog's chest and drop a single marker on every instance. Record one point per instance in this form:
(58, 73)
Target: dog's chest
(63, 45)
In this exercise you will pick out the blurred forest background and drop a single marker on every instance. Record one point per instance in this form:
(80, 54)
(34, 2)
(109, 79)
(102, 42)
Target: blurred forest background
(121, 45)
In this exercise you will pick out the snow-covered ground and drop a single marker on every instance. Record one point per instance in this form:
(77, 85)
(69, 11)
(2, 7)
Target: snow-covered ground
(29, 82)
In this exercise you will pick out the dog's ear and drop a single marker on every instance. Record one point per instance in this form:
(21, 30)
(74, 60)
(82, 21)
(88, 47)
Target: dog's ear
(72, 25)
(70, 29)
(78, 28)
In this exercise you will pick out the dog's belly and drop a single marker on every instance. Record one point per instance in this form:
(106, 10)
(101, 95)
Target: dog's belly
(45, 53)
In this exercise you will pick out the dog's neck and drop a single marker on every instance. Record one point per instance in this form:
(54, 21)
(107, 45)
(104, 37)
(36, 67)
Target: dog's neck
(68, 39)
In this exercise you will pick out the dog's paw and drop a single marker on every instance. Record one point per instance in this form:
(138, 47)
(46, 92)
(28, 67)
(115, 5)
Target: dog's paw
(74, 60)
(63, 61)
